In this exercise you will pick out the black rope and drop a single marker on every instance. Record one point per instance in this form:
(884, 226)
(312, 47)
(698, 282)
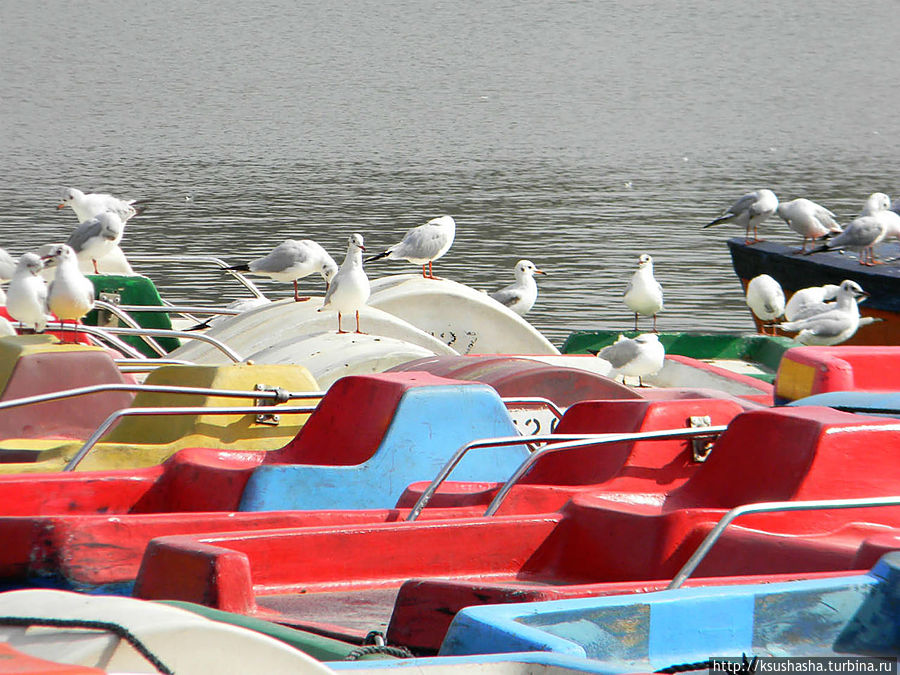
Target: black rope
(115, 628)
(747, 666)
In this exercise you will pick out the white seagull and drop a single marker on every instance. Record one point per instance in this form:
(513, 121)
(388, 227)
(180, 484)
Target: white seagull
(91, 205)
(349, 289)
(292, 260)
(860, 235)
(808, 219)
(765, 298)
(521, 295)
(750, 211)
(644, 295)
(423, 244)
(834, 325)
(97, 237)
(635, 357)
(7, 266)
(878, 205)
(809, 301)
(26, 297)
(71, 294)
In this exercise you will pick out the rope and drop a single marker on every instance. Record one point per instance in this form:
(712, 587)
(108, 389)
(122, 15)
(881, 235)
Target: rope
(114, 628)
(399, 652)
(747, 666)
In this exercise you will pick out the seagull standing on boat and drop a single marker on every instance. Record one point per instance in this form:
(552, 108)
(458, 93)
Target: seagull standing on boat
(91, 205)
(26, 297)
(808, 219)
(835, 325)
(809, 301)
(521, 295)
(765, 298)
(644, 294)
(71, 294)
(292, 260)
(97, 237)
(878, 205)
(423, 244)
(349, 289)
(635, 357)
(750, 211)
(860, 235)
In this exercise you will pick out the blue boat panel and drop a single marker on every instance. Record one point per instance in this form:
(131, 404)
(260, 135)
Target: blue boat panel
(430, 423)
(866, 402)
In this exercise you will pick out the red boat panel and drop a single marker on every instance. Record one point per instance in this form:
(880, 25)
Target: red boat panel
(68, 335)
(805, 371)
(39, 367)
(765, 455)
(512, 376)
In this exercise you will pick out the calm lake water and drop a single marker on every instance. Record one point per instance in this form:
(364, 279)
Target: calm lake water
(578, 134)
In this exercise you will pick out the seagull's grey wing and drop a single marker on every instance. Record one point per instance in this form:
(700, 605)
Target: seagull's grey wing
(826, 217)
(424, 241)
(508, 296)
(620, 353)
(743, 204)
(85, 231)
(860, 233)
(826, 325)
(285, 255)
(7, 265)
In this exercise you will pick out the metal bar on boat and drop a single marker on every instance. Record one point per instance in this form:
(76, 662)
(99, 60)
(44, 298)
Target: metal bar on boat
(276, 396)
(122, 315)
(178, 309)
(770, 507)
(599, 439)
(196, 410)
(218, 262)
(533, 400)
(120, 345)
(160, 332)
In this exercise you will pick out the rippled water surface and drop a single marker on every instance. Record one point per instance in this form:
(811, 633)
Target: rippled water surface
(577, 134)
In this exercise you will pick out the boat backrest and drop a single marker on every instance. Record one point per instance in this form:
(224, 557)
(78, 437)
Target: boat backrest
(38, 364)
(795, 453)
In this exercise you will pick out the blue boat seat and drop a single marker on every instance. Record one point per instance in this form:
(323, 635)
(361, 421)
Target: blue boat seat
(397, 428)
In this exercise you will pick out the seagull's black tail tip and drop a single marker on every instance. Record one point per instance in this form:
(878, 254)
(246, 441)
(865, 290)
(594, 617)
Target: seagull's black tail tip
(243, 267)
(377, 257)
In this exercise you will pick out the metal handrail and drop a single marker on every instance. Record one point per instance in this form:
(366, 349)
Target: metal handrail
(769, 507)
(122, 315)
(278, 396)
(120, 345)
(200, 259)
(196, 410)
(534, 400)
(178, 309)
(557, 441)
(661, 434)
(160, 332)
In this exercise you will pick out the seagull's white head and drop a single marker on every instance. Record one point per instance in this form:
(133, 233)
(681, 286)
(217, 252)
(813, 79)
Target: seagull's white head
(525, 269)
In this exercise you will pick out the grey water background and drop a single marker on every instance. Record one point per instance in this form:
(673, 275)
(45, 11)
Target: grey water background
(576, 134)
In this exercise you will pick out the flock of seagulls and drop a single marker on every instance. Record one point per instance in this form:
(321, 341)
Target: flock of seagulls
(821, 315)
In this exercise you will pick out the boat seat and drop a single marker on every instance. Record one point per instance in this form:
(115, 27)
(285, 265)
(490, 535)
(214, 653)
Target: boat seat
(805, 371)
(40, 364)
(374, 435)
(640, 466)
(147, 440)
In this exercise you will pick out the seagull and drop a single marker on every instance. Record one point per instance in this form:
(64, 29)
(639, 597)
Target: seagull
(861, 235)
(834, 325)
(26, 297)
(520, 296)
(808, 219)
(875, 202)
(292, 260)
(7, 266)
(423, 244)
(765, 298)
(97, 237)
(750, 211)
(809, 301)
(643, 294)
(91, 205)
(349, 289)
(635, 357)
(6, 328)
(71, 294)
